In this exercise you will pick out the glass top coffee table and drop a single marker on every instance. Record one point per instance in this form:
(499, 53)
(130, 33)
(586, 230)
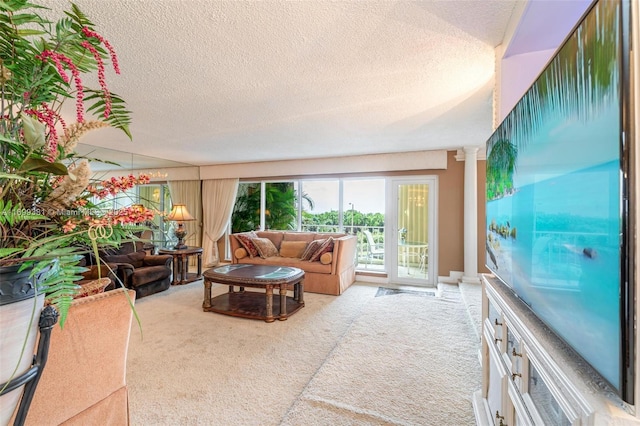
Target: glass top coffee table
(255, 304)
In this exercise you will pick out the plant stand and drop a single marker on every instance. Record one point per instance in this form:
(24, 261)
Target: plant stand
(48, 318)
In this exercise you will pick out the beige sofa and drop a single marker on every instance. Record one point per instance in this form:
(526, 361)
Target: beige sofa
(333, 275)
(83, 382)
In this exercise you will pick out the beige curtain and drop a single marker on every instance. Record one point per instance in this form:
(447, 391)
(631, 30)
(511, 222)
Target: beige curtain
(188, 192)
(218, 198)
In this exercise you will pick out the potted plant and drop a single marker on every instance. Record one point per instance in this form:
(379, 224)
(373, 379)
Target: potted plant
(49, 208)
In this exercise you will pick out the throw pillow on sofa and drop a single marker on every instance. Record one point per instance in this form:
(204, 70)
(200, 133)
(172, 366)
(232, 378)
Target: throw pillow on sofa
(240, 253)
(245, 241)
(326, 258)
(311, 249)
(265, 247)
(292, 248)
(325, 247)
(92, 287)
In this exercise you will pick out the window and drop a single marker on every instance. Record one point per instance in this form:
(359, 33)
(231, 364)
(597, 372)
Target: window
(363, 203)
(316, 205)
(320, 205)
(157, 198)
(246, 212)
(280, 206)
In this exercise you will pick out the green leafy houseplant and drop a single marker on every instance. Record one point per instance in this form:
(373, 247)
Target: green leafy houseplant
(49, 207)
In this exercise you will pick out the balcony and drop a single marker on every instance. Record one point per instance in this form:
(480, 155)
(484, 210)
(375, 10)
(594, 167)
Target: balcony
(370, 253)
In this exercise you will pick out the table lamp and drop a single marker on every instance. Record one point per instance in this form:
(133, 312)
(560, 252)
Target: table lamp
(180, 214)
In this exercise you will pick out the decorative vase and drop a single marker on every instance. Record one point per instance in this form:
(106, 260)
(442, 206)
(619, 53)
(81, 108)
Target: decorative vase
(19, 313)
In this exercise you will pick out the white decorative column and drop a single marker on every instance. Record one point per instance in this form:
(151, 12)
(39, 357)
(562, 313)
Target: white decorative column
(470, 215)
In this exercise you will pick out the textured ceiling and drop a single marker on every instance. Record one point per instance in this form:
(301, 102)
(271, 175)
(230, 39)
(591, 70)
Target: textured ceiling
(213, 82)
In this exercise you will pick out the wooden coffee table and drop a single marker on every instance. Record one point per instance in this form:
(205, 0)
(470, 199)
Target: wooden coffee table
(254, 304)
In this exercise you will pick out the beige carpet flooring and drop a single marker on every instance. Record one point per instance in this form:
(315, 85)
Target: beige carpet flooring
(357, 359)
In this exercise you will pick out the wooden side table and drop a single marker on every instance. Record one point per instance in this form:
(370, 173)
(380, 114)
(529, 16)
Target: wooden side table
(181, 274)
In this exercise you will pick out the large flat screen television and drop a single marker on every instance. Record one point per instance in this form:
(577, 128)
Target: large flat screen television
(557, 213)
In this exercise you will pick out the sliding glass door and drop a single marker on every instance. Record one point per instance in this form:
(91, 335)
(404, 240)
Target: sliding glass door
(393, 219)
(411, 234)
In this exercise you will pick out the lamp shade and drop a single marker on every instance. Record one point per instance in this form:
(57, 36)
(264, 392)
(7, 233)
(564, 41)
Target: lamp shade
(179, 213)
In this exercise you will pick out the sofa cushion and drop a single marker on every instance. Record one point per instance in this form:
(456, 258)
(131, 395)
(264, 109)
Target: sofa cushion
(240, 253)
(299, 236)
(326, 258)
(149, 274)
(325, 247)
(276, 237)
(334, 235)
(312, 267)
(135, 259)
(311, 249)
(245, 241)
(292, 248)
(265, 247)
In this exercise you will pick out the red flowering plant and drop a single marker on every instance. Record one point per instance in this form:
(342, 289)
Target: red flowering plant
(50, 210)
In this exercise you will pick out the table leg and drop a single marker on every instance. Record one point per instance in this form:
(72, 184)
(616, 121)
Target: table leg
(199, 265)
(231, 290)
(283, 302)
(207, 294)
(185, 268)
(175, 269)
(301, 292)
(269, 300)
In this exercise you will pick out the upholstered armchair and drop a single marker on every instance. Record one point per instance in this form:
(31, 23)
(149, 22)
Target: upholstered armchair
(84, 382)
(145, 273)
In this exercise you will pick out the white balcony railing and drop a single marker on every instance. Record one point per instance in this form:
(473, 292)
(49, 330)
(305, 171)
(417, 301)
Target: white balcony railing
(365, 260)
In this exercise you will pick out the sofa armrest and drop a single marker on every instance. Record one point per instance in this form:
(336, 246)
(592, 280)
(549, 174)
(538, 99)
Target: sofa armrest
(235, 244)
(158, 259)
(344, 253)
(123, 273)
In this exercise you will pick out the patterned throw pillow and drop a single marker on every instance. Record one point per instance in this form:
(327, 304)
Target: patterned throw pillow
(92, 287)
(245, 241)
(325, 247)
(265, 247)
(311, 249)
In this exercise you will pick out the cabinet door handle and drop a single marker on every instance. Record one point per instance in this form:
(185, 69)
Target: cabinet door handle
(514, 375)
(514, 353)
(496, 322)
(500, 418)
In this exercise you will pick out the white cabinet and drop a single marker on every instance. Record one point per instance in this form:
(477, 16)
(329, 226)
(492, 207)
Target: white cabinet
(531, 377)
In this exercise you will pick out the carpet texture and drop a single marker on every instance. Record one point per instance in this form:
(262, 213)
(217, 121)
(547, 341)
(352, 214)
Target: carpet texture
(356, 359)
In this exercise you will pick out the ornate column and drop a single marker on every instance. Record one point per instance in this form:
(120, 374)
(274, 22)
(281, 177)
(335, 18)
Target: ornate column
(470, 215)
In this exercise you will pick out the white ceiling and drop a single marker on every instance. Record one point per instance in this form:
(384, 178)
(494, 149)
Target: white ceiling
(212, 82)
